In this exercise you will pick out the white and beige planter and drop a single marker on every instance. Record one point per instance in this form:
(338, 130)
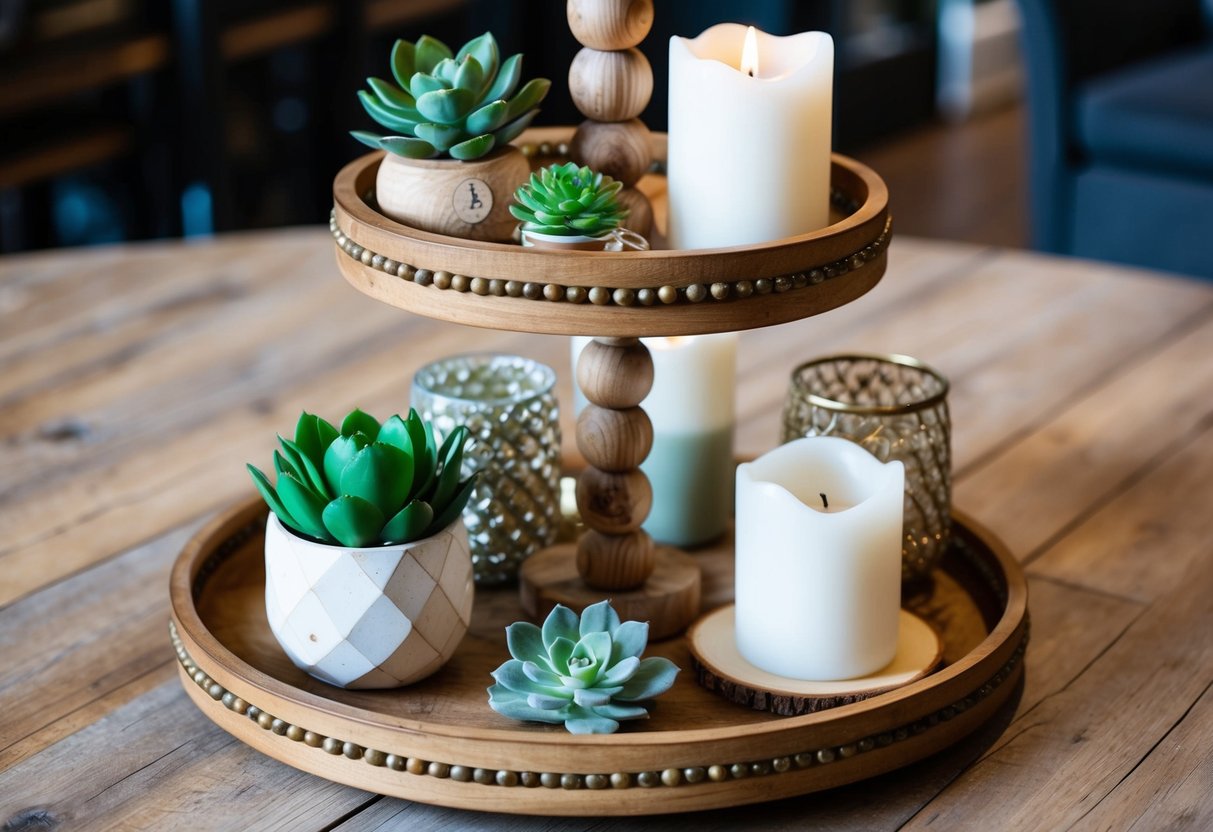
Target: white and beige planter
(379, 617)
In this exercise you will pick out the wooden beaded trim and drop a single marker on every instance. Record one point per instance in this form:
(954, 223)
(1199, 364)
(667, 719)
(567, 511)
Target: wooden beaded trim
(606, 296)
(690, 776)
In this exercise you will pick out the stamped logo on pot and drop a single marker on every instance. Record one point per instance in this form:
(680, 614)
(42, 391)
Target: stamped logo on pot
(473, 200)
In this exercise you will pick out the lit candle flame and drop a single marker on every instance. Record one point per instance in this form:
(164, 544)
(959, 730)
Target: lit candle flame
(749, 53)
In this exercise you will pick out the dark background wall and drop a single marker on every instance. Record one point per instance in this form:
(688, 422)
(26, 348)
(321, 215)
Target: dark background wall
(134, 119)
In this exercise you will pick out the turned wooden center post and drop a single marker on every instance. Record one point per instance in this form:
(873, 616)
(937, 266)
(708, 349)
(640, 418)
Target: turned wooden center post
(614, 435)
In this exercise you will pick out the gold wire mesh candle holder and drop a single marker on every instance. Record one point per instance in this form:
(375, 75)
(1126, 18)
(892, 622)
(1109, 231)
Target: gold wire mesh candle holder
(507, 404)
(896, 407)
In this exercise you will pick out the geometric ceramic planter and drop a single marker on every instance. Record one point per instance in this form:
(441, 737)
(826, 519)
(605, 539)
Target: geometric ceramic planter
(378, 617)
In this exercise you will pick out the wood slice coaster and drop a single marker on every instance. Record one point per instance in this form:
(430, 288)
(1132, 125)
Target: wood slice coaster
(720, 667)
(669, 599)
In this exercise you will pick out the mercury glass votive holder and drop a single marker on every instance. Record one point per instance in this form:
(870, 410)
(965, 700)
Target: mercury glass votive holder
(897, 408)
(507, 404)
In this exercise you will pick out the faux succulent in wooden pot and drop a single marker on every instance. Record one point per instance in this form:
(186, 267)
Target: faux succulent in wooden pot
(368, 576)
(449, 166)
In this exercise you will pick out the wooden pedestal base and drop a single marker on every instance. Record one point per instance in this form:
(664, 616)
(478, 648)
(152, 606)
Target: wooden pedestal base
(668, 600)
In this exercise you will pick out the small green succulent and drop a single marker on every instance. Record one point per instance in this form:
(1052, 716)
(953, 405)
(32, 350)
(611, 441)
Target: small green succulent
(367, 484)
(453, 105)
(585, 673)
(567, 200)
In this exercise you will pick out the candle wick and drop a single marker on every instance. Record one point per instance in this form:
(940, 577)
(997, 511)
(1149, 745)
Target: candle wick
(750, 72)
(824, 502)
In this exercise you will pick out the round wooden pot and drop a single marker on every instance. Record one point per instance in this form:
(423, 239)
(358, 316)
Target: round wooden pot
(460, 199)
(379, 617)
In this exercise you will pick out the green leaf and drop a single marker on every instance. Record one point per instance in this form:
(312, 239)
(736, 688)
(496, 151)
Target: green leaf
(390, 119)
(560, 623)
(421, 83)
(454, 508)
(269, 494)
(451, 456)
(654, 677)
(621, 671)
(309, 473)
(425, 455)
(305, 507)
(592, 724)
(488, 118)
(395, 432)
(368, 139)
(629, 640)
(358, 422)
(404, 61)
(407, 147)
(313, 436)
(507, 79)
(524, 214)
(588, 223)
(513, 705)
(469, 76)
(600, 617)
(445, 72)
(441, 136)
(473, 148)
(381, 474)
(525, 642)
(505, 135)
(529, 96)
(429, 52)
(528, 198)
(560, 648)
(339, 453)
(615, 711)
(391, 95)
(445, 106)
(484, 50)
(353, 521)
(409, 524)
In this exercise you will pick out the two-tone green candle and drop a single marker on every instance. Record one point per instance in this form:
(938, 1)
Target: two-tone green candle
(691, 463)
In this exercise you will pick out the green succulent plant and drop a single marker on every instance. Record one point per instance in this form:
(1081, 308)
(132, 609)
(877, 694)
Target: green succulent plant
(459, 105)
(567, 200)
(367, 484)
(586, 673)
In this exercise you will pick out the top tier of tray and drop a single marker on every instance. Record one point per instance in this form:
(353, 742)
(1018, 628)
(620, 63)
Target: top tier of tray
(620, 294)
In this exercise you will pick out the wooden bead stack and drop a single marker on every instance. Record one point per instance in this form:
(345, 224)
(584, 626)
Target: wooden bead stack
(611, 82)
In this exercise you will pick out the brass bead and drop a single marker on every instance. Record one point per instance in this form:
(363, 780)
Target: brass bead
(442, 279)
(763, 286)
(782, 284)
(529, 779)
(389, 265)
(718, 774)
(646, 297)
(532, 291)
(572, 782)
(198, 675)
(228, 698)
(423, 277)
(803, 760)
(366, 256)
(624, 297)
(760, 768)
(667, 294)
(620, 780)
(279, 726)
(311, 738)
(866, 744)
(375, 757)
(405, 271)
(239, 705)
(695, 774)
(376, 261)
(671, 776)
(460, 282)
(394, 761)
(553, 292)
(597, 781)
(352, 750)
(439, 770)
(461, 773)
(816, 276)
(513, 288)
(600, 296)
(496, 287)
(416, 765)
(576, 294)
(799, 280)
(847, 751)
(825, 755)
(265, 720)
(738, 770)
(332, 745)
(696, 292)
(743, 288)
(781, 764)
(252, 712)
(215, 691)
(720, 291)
(483, 776)
(549, 780)
(648, 779)
(545, 148)
(507, 778)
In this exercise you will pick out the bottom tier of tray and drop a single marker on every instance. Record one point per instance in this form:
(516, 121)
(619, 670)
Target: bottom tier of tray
(438, 742)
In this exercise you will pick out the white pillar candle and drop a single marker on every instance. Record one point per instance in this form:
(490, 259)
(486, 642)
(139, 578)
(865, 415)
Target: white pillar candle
(691, 463)
(749, 154)
(818, 591)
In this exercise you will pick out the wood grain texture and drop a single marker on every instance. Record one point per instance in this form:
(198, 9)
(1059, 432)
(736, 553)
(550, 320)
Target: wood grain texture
(610, 86)
(620, 149)
(610, 24)
(135, 382)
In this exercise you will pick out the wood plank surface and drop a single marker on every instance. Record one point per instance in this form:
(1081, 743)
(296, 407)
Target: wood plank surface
(135, 381)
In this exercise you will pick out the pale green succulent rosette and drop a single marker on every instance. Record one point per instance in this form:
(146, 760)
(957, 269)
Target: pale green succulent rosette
(458, 105)
(585, 673)
(367, 484)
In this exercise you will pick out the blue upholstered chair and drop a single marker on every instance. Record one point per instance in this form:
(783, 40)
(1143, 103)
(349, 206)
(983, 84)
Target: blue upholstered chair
(1120, 111)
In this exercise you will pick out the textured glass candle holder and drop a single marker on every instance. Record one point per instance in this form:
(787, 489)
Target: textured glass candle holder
(507, 403)
(897, 408)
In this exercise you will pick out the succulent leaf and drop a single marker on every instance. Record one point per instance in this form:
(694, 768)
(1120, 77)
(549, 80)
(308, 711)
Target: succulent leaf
(430, 52)
(313, 435)
(353, 521)
(410, 523)
(306, 471)
(569, 671)
(447, 514)
(381, 474)
(467, 100)
(567, 200)
(304, 507)
(339, 454)
(269, 494)
(395, 432)
(358, 422)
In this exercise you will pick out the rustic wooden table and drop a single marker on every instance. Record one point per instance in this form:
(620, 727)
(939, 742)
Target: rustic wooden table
(135, 382)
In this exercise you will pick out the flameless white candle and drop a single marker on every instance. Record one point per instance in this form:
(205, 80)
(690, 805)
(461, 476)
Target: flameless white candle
(818, 591)
(691, 463)
(749, 142)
